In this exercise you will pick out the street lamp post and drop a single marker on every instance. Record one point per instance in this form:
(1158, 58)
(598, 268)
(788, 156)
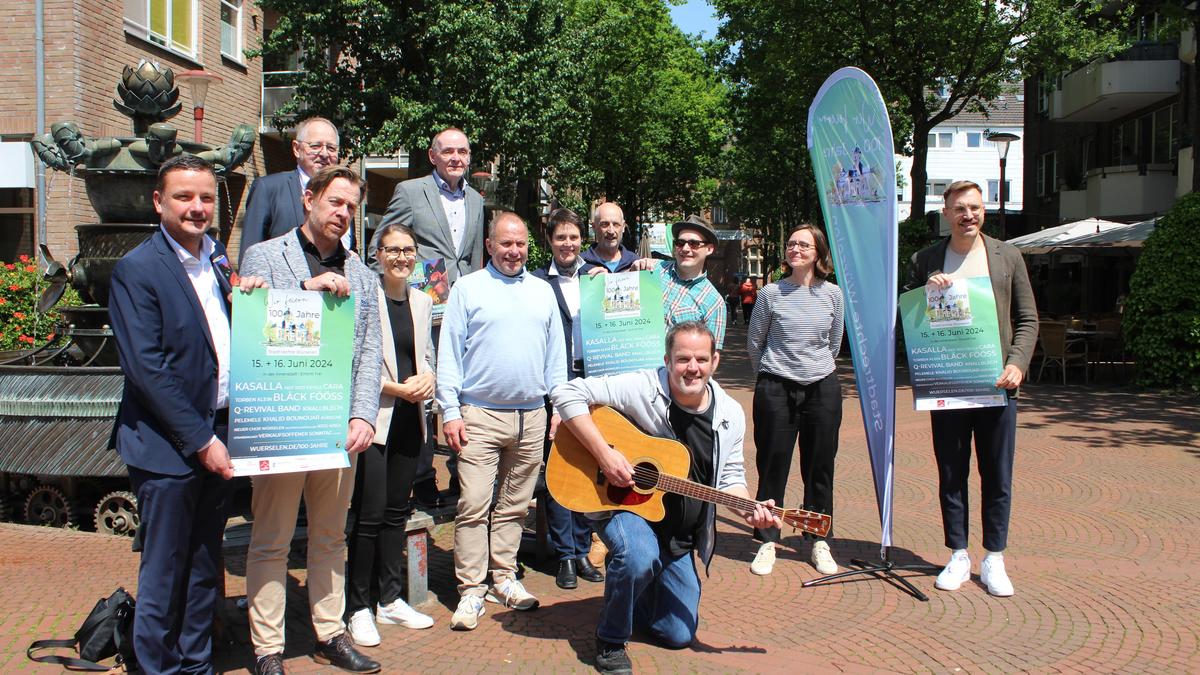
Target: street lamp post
(198, 80)
(1002, 139)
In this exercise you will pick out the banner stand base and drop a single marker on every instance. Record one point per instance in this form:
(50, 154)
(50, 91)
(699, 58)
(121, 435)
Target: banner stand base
(885, 570)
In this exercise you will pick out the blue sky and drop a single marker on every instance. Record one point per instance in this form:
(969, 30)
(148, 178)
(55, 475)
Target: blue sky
(695, 16)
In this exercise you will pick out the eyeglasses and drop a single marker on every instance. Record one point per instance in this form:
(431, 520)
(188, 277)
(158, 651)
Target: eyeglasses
(316, 148)
(693, 244)
(802, 245)
(393, 252)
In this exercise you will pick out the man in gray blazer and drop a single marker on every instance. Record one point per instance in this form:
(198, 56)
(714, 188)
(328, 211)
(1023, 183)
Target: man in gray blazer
(312, 257)
(443, 211)
(969, 253)
(275, 203)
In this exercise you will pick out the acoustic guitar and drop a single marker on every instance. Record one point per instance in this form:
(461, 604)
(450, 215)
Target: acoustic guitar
(660, 465)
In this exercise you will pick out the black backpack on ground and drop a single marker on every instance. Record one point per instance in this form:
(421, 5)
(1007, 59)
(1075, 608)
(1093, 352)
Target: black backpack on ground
(106, 632)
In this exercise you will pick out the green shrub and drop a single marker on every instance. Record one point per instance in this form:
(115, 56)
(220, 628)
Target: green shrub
(1162, 313)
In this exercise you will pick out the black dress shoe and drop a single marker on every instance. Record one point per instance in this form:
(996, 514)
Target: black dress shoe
(566, 575)
(271, 664)
(587, 571)
(340, 652)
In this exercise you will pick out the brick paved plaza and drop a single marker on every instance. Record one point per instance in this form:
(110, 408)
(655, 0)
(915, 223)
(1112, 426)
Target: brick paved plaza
(1104, 553)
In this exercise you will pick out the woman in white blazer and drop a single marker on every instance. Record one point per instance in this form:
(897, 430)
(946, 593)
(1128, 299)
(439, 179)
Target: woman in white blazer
(384, 481)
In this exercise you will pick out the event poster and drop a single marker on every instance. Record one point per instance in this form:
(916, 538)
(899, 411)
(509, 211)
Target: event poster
(429, 277)
(953, 343)
(622, 322)
(289, 381)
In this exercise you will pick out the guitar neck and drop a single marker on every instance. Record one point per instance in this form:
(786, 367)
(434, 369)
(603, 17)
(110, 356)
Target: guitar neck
(704, 493)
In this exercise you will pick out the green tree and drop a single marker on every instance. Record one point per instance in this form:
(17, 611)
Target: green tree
(658, 110)
(931, 63)
(391, 73)
(1162, 313)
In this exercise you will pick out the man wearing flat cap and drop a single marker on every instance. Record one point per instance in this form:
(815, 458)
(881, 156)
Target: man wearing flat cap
(688, 295)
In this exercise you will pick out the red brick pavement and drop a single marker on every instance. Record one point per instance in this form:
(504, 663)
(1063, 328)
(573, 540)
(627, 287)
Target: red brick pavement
(1104, 552)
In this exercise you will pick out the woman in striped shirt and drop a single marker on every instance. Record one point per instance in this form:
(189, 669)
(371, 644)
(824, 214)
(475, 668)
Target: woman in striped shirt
(794, 337)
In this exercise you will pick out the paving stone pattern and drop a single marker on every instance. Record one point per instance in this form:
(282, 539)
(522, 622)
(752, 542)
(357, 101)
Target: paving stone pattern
(1104, 553)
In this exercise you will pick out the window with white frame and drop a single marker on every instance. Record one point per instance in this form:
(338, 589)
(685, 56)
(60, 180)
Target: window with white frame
(934, 187)
(167, 23)
(975, 139)
(941, 139)
(752, 263)
(231, 29)
(1047, 174)
(718, 215)
(993, 190)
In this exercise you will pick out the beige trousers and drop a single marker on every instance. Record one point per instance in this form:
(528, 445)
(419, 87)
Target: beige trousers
(275, 501)
(505, 444)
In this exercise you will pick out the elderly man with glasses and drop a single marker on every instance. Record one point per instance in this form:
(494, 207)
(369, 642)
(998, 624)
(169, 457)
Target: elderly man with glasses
(275, 205)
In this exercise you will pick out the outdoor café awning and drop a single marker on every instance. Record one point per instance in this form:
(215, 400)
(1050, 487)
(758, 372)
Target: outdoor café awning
(1134, 234)
(1062, 236)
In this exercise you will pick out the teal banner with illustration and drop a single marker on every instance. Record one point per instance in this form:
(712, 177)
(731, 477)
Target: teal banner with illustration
(622, 322)
(953, 345)
(850, 144)
(289, 381)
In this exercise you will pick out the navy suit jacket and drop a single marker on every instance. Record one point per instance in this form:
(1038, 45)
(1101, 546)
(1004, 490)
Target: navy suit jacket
(273, 207)
(167, 353)
(564, 312)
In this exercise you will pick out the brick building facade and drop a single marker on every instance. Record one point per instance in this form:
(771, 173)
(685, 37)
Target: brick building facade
(87, 43)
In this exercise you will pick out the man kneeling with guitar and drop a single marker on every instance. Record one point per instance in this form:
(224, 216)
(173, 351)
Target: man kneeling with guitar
(651, 583)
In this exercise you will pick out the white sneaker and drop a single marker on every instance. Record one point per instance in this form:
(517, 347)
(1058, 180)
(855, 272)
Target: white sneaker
(466, 616)
(399, 612)
(362, 629)
(822, 559)
(955, 573)
(993, 575)
(512, 594)
(764, 560)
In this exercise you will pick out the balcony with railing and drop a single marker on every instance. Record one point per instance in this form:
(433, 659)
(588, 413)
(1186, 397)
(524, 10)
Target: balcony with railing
(278, 88)
(1120, 192)
(1105, 90)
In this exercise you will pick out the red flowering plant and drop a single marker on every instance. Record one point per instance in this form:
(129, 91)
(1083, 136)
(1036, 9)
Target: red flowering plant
(21, 326)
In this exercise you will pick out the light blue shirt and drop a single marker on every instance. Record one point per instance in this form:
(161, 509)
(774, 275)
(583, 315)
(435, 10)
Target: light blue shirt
(501, 345)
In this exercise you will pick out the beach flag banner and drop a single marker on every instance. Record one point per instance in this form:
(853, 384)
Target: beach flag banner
(850, 144)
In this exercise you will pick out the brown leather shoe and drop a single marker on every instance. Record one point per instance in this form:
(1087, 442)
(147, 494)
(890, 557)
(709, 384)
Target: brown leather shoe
(340, 652)
(598, 553)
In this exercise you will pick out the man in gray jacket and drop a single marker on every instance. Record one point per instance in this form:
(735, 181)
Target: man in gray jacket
(651, 581)
(312, 257)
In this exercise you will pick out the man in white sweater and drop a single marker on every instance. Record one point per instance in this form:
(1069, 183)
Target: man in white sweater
(501, 353)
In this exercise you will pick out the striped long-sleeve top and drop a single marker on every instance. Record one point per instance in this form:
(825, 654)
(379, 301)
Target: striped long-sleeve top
(796, 331)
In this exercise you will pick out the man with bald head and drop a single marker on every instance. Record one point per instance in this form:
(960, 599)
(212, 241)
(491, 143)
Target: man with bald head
(608, 222)
(275, 205)
(442, 210)
(502, 352)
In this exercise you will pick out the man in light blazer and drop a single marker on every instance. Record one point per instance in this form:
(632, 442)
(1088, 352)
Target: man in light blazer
(275, 204)
(969, 253)
(312, 257)
(443, 211)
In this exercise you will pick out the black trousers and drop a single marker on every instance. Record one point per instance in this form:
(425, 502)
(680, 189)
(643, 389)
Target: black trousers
(995, 433)
(785, 411)
(380, 507)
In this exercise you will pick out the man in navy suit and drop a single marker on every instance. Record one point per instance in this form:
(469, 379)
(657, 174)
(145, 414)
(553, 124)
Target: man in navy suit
(275, 205)
(169, 309)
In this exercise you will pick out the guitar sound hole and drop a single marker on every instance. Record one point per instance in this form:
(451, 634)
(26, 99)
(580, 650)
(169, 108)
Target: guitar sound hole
(645, 475)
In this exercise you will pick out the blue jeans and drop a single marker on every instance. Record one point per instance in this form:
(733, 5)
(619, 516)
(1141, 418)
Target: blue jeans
(644, 587)
(570, 533)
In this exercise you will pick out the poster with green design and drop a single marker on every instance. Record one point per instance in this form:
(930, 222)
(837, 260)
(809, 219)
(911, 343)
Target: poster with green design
(289, 381)
(622, 323)
(953, 344)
